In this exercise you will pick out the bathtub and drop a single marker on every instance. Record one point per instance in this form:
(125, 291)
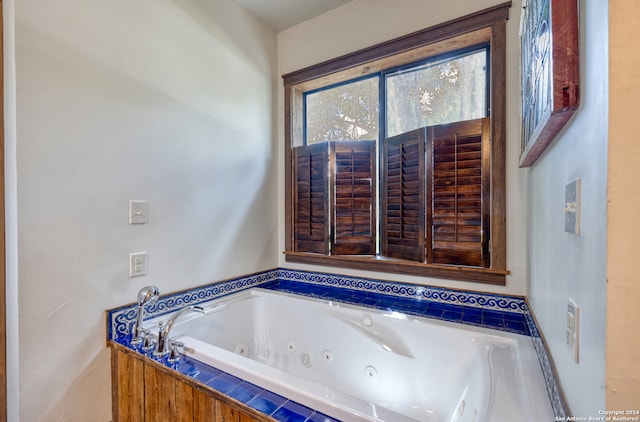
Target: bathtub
(363, 364)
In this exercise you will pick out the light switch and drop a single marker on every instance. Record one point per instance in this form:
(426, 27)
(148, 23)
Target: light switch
(138, 212)
(572, 207)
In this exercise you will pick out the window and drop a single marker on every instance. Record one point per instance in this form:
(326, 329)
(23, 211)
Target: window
(438, 91)
(395, 154)
(347, 111)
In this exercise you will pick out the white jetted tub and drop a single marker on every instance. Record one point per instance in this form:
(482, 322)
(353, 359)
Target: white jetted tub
(362, 364)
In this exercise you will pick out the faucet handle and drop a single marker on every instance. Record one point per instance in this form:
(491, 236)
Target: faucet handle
(139, 335)
(149, 341)
(145, 340)
(176, 348)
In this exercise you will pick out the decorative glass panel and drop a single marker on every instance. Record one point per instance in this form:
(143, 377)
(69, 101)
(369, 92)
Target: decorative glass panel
(550, 72)
(536, 66)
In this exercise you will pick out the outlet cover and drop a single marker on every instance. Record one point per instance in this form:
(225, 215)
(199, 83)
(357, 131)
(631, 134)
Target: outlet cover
(573, 329)
(137, 264)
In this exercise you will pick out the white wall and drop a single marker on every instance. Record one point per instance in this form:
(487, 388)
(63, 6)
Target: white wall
(363, 23)
(561, 265)
(166, 101)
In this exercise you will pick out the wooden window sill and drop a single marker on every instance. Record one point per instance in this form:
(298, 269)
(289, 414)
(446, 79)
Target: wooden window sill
(399, 266)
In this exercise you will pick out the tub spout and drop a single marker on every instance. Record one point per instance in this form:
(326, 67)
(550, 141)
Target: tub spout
(162, 347)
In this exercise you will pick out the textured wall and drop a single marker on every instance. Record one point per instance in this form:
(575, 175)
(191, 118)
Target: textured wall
(562, 265)
(164, 101)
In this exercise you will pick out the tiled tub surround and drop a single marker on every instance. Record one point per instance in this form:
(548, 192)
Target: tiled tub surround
(484, 310)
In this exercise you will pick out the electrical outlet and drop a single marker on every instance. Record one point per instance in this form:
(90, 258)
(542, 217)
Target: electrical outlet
(573, 325)
(137, 264)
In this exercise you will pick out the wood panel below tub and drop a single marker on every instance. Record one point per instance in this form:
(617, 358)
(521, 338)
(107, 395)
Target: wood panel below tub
(145, 391)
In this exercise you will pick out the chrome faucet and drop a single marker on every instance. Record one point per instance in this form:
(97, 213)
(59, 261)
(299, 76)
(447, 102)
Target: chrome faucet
(146, 295)
(162, 348)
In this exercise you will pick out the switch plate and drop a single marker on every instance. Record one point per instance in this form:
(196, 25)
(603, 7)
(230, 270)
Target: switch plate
(573, 328)
(137, 264)
(138, 212)
(572, 207)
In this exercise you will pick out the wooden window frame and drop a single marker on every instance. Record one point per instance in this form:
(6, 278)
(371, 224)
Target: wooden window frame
(486, 26)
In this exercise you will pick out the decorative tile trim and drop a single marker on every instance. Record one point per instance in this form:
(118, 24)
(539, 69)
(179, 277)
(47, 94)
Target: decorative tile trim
(555, 397)
(435, 294)
(412, 305)
(121, 320)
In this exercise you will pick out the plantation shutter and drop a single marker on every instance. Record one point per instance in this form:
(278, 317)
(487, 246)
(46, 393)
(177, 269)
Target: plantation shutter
(460, 193)
(355, 194)
(310, 208)
(403, 196)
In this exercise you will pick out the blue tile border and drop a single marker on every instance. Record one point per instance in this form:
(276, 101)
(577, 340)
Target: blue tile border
(502, 312)
(509, 317)
(365, 292)
(120, 320)
(435, 294)
(557, 403)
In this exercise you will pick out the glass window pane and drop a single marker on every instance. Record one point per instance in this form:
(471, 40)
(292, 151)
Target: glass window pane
(344, 112)
(438, 92)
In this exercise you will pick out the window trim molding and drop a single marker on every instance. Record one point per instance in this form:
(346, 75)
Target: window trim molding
(488, 24)
(429, 36)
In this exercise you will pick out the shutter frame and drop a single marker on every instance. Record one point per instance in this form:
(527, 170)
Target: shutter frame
(353, 197)
(460, 198)
(403, 196)
(311, 222)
